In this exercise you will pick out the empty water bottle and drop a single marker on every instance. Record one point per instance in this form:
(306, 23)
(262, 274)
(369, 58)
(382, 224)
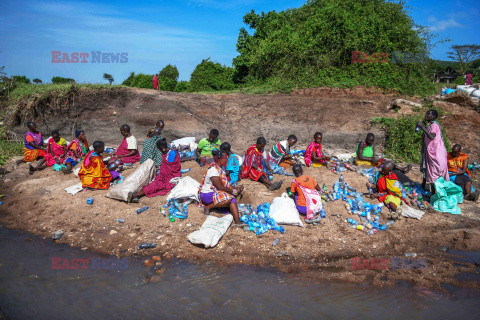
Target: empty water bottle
(341, 179)
(141, 210)
(376, 219)
(323, 215)
(351, 221)
(185, 170)
(147, 245)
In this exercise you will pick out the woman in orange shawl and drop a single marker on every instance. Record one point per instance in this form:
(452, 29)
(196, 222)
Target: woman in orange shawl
(94, 173)
(459, 173)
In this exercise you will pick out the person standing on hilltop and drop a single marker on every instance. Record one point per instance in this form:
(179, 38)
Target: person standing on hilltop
(206, 146)
(33, 145)
(155, 82)
(434, 154)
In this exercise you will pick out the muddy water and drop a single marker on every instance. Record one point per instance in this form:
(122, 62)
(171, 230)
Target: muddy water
(31, 289)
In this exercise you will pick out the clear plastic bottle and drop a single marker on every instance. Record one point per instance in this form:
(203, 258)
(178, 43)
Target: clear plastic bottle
(341, 180)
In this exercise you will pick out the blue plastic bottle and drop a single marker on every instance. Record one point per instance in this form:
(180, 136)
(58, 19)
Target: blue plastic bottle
(141, 210)
(323, 215)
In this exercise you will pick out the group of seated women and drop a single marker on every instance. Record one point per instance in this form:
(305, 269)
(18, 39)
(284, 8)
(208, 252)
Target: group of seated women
(219, 187)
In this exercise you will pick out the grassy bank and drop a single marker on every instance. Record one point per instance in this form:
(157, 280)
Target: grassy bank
(25, 90)
(9, 147)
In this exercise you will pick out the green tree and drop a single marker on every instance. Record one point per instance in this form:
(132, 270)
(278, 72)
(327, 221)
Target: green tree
(21, 79)
(37, 81)
(166, 84)
(128, 81)
(108, 77)
(58, 80)
(142, 81)
(465, 55)
(169, 72)
(210, 75)
(314, 43)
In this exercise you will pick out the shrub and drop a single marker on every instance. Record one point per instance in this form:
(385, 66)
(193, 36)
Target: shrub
(58, 80)
(128, 81)
(169, 72)
(210, 75)
(21, 79)
(402, 142)
(142, 81)
(182, 86)
(166, 84)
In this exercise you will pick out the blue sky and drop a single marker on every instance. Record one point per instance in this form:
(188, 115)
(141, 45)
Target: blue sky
(155, 33)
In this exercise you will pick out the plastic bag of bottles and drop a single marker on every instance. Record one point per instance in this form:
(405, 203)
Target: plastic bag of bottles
(260, 222)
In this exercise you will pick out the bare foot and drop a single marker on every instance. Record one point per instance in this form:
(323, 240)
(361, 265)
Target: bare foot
(206, 211)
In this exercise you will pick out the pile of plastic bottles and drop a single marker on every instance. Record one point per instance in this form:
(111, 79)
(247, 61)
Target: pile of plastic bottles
(176, 209)
(186, 154)
(117, 181)
(279, 170)
(418, 197)
(474, 166)
(259, 221)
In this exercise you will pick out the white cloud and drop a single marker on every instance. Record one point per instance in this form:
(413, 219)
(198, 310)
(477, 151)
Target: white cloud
(441, 25)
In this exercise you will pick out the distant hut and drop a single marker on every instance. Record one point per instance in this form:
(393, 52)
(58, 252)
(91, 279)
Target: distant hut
(448, 75)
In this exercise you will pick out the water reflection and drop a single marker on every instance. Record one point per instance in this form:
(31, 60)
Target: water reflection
(31, 289)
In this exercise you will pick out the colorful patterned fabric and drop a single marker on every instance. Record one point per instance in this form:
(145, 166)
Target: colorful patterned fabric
(171, 168)
(434, 155)
(456, 163)
(388, 185)
(150, 151)
(30, 155)
(35, 137)
(80, 147)
(219, 196)
(123, 150)
(277, 153)
(58, 150)
(304, 186)
(93, 173)
(253, 157)
(313, 148)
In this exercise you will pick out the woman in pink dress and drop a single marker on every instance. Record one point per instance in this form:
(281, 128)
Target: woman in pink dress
(434, 154)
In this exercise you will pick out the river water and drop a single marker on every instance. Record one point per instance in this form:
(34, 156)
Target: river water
(31, 289)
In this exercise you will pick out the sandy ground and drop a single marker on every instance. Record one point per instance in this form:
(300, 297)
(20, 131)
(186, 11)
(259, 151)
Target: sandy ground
(330, 250)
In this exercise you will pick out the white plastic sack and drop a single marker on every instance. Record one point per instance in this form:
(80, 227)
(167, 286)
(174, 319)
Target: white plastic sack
(186, 142)
(139, 178)
(410, 212)
(284, 211)
(212, 231)
(344, 156)
(76, 171)
(76, 188)
(186, 187)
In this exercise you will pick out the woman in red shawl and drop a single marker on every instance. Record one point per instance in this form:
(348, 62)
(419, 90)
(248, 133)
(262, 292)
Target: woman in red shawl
(127, 152)
(170, 168)
(314, 154)
(253, 167)
(155, 82)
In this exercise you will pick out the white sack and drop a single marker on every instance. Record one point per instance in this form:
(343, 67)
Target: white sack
(284, 211)
(76, 188)
(344, 156)
(76, 171)
(212, 231)
(139, 178)
(186, 142)
(410, 212)
(186, 187)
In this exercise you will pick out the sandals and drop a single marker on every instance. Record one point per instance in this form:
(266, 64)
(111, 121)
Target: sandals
(275, 185)
(130, 197)
(31, 169)
(314, 220)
